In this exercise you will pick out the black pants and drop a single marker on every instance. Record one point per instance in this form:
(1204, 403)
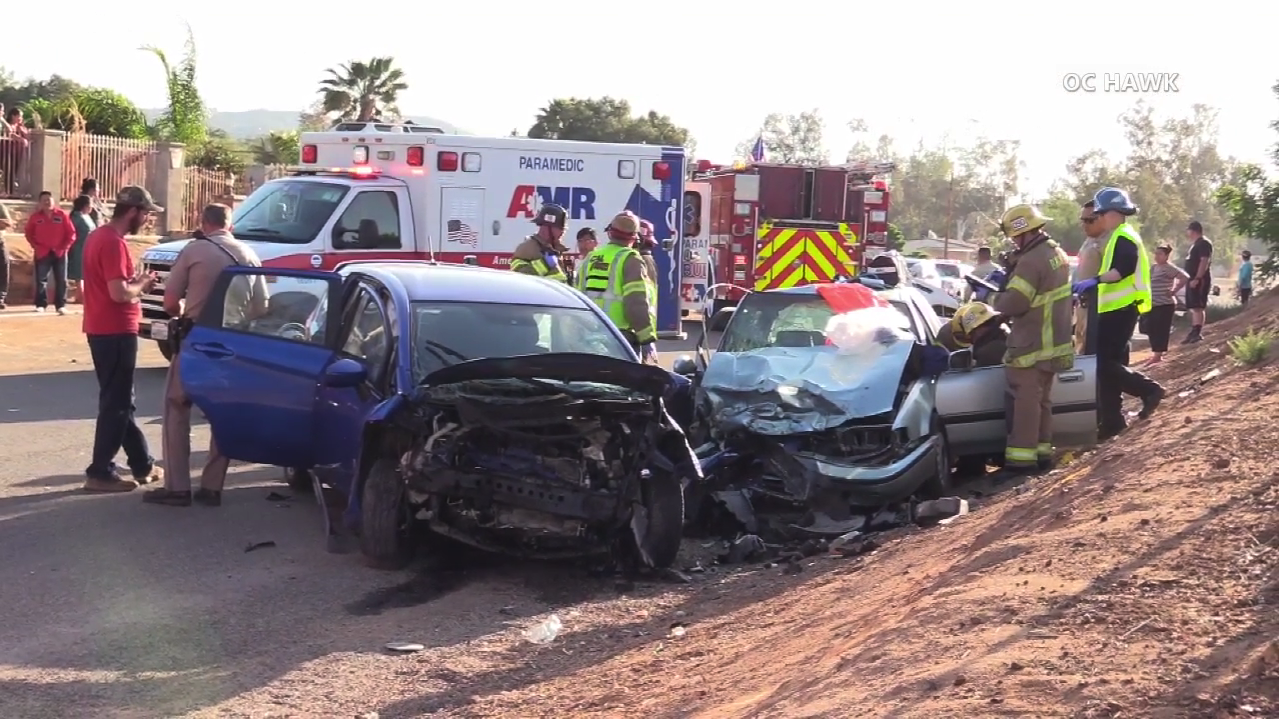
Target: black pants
(4, 271)
(1114, 377)
(1159, 326)
(58, 267)
(114, 359)
(1244, 294)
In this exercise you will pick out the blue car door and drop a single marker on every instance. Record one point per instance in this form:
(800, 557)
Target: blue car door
(255, 378)
(367, 336)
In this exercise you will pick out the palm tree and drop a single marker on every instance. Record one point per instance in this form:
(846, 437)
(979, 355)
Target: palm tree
(186, 118)
(362, 91)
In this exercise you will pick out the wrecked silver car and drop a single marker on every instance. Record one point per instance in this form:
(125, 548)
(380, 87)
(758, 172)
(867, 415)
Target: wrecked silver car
(549, 456)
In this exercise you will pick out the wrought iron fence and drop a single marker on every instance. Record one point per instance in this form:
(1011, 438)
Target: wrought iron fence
(15, 167)
(114, 161)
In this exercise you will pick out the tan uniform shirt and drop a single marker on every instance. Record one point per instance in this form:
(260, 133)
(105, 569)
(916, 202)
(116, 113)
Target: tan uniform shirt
(197, 270)
(635, 305)
(1089, 259)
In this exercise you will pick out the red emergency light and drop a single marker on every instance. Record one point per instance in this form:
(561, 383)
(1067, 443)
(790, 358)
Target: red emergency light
(881, 185)
(446, 162)
(359, 171)
(704, 165)
(310, 153)
(416, 156)
(661, 171)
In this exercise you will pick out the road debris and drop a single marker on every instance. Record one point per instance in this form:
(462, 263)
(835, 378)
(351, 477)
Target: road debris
(405, 647)
(544, 632)
(258, 545)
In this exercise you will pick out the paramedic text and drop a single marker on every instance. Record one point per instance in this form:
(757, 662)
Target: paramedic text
(552, 164)
(1139, 82)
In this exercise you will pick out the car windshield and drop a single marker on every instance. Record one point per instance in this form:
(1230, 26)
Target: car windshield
(445, 333)
(766, 319)
(287, 211)
(946, 269)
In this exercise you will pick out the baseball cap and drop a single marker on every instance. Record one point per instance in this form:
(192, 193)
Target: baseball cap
(134, 196)
(625, 223)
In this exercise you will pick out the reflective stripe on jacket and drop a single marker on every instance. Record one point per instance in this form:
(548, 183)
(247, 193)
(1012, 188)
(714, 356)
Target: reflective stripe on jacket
(1038, 303)
(529, 258)
(613, 276)
(1133, 289)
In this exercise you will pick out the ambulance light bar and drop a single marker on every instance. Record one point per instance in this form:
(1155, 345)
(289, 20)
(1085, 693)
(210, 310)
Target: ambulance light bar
(361, 171)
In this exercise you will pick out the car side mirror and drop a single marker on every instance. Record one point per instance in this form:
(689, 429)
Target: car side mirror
(961, 359)
(684, 366)
(345, 373)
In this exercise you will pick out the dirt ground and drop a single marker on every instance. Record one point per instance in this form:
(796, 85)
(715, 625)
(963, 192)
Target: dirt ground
(1137, 581)
(21, 283)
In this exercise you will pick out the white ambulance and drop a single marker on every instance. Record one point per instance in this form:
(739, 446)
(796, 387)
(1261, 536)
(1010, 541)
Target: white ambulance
(368, 191)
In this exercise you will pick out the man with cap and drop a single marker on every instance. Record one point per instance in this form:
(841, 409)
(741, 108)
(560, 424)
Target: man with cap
(615, 278)
(539, 253)
(1123, 295)
(111, 315)
(1036, 299)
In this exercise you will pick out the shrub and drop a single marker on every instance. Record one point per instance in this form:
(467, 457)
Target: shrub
(1251, 348)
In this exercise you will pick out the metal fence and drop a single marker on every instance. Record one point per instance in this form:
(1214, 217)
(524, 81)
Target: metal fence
(15, 165)
(114, 161)
(202, 187)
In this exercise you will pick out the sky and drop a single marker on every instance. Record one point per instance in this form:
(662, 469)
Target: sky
(931, 71)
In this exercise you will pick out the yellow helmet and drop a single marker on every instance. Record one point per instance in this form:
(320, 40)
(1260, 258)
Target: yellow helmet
(968, 318)
(1021, 219)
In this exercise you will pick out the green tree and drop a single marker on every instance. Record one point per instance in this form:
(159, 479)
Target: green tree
(1064, 226)
(605, 119)
(107, 112)
(1251, 203)
(313, 119)
(185, 120)
(277, 148)
(219, 152)
(790, 139)
(896, 240)
(363, 91)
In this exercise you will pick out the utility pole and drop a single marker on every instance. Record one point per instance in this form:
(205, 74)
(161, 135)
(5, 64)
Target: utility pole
(950, 217)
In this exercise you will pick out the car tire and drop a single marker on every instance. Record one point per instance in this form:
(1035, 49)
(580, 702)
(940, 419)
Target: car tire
(970, 466)
(299, 480)
(165, 350)
(663, 498)
(384, 526)
(940, 484)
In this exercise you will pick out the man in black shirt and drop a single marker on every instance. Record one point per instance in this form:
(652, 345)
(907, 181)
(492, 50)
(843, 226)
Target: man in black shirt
(1199, 267)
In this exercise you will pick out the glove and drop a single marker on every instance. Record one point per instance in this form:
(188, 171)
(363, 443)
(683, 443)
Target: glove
(1083, 286)
(936, 361)
(648, 353)
(552, 262)
(999, 279)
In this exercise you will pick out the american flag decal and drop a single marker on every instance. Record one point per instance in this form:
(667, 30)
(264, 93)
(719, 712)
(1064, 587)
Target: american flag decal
(461, 233)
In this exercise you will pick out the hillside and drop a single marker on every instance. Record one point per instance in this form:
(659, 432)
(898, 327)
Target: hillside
(1138, 581)
(255, 123)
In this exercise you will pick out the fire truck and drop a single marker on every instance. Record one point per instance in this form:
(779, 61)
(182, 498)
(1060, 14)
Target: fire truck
(366, 191)
(779, 225)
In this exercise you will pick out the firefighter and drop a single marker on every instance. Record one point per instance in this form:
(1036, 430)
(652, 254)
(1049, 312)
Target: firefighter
(539, 253)
(1037, 300)
(979, 326)
(614, 277)
(1123, 295)
(645, 246)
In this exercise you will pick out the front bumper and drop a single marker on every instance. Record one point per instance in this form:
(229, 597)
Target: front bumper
(521, 493)
(864, 485)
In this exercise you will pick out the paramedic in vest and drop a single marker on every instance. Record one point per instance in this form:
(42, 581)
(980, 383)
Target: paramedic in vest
(1123, 295)
(615, 278)
(1036, 299)
(539, 253)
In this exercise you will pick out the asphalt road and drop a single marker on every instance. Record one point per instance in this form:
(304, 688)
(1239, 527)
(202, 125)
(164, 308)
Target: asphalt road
(115, 608)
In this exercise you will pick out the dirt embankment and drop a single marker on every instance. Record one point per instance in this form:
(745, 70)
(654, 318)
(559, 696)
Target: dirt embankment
(1139, 581)
(22, 269)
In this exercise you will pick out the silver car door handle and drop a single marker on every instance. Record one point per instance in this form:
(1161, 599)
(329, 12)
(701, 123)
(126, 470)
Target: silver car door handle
(1073, 376)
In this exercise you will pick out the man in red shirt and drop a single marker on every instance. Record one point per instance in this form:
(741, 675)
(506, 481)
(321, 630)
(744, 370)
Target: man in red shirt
(51, 235)
(111, 291)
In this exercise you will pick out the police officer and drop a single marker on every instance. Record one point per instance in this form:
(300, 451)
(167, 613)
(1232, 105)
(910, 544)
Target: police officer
(1123, 295)
(979, 326)
(1036, 299)
(586, 243)
(539, 253)
(187, 290)
(614, 276)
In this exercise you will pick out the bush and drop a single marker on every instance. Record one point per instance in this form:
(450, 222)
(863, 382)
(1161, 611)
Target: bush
(1251, 348)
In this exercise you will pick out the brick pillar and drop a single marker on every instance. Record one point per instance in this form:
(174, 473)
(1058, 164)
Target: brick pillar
(168, 185)
(45, 170)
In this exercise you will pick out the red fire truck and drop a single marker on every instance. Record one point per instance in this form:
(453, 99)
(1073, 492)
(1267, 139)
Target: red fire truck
(776, 225)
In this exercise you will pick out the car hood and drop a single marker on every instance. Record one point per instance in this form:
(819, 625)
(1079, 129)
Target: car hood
(783, 390)
(562, 366)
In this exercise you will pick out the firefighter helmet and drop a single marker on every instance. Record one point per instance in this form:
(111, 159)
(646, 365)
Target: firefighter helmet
(1020, 219)
(551, 214)
(968, 318)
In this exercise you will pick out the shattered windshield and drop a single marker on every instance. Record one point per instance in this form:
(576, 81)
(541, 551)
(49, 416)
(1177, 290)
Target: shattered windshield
(446, 333)
(767, 319)
(290, 212)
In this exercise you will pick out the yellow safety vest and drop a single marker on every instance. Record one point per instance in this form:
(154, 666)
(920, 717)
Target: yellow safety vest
(600, 278)
(1133, 289)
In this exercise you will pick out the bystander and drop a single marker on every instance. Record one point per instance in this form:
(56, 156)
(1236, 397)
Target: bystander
(1166, 280)
(51, 235)
(111, 314)
(1199, 268)
(1244, 289)
(6, 222)
(82, 219)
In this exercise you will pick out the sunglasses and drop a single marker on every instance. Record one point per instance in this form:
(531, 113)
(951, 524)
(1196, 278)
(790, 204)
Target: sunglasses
(1088, 220)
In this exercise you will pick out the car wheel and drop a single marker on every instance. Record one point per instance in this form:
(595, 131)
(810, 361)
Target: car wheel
(663, 499)
(970, 466)
(299, 480)
(940, 484)
(384, 520)
(165, 350)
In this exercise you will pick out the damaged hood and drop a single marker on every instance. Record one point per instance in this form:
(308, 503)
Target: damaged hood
(788, 390)
(563, 366)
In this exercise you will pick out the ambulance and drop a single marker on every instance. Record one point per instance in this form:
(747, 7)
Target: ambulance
(368, 191)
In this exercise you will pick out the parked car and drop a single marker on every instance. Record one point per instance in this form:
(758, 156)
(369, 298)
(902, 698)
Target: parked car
(942, 296)
(501, 410)
(844, 430)
(952, 276)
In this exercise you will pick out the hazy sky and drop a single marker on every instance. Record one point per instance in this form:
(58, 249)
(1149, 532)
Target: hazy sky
(910, 69)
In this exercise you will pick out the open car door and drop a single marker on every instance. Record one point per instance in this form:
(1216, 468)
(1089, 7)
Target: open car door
(255, 378)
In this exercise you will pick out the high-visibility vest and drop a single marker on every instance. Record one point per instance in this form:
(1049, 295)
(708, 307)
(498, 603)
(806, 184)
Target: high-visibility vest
(600, 278)
(1133, 289)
